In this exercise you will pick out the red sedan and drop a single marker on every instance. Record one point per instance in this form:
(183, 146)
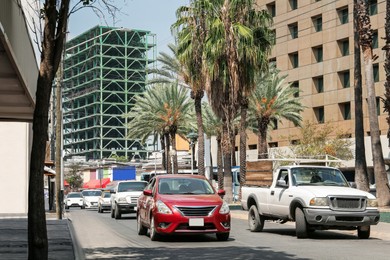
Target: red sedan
(182, 204)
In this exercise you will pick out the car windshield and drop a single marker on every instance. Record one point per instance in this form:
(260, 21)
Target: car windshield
(131, 186)
(318, 176)
(184, 186)
(74, 195)
(88, 193)
(106, 195)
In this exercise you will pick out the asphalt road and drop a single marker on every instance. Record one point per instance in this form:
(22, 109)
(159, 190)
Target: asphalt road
(102, 237)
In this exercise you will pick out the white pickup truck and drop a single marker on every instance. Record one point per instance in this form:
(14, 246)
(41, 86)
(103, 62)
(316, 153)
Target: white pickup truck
(315, 197)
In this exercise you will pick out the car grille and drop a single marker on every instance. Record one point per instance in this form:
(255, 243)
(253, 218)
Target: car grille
(196, 211)
(131, 200)
(347, 203)
(185, 226)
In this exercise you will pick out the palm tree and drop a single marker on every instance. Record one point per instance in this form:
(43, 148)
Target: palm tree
(365, 40)
(191, 34)
(165, 110)
(272, 100)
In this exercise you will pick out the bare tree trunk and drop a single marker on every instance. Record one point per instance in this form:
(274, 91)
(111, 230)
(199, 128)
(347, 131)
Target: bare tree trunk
(262, 147)
(233, 145)
(227, 164)
(167, 154)
(244, 109)
(199, 120)
(163, 156)
(58, 144)
(365, 36)
(175, 169)
(361, 176)
(219, 164)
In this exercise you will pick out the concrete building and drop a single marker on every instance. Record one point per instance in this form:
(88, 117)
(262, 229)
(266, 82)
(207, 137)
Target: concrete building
(315, 48)
(18, 79)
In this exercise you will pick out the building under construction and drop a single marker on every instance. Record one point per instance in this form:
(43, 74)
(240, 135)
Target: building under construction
(104, 70)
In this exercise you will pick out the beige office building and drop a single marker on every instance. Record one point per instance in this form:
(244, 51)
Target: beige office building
(315, 48)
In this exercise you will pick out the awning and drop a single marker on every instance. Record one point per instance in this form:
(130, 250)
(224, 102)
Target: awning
(95, 184)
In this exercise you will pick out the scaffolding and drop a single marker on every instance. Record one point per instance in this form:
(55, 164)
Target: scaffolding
(104, 70)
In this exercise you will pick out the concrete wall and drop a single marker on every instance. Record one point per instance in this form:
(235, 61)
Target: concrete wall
(14, 174)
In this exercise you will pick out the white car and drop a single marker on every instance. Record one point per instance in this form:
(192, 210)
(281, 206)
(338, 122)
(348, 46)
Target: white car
(104, 202)
(74, 199)
(91, 198)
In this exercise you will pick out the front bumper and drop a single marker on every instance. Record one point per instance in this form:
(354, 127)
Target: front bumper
(90, 205)
(127, 208)
(328, 217)
(178, 224)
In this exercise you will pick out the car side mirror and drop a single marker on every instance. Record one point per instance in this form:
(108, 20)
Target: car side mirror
(147, 192)
(281, 183)
(221, 192)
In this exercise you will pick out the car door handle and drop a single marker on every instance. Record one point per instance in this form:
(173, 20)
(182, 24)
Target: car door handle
(290, 196)
(272, 192)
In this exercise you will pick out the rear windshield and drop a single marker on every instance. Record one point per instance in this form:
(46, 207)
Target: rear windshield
(87, 193)
(131, 186)
(74, 195)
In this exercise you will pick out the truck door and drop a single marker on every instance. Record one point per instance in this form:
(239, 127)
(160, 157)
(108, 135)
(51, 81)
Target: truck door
(280, 196)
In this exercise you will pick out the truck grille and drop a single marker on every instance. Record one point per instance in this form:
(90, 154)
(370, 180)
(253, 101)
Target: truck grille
(347, 203)
(196, 211)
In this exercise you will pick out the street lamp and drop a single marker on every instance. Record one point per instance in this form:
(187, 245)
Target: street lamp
(193, 137)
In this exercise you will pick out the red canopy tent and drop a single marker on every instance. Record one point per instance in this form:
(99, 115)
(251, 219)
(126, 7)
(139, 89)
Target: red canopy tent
(66, 183)
(95, 184)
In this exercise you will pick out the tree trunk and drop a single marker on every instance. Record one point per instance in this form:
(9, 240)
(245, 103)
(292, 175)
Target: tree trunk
(167, 154)
(58, 154)
(219, 164)
(233, 145)
(365, 37)
(175, 169)
(199, 121)
(227, 167)
(163, 155)
(361, 176)
(262, 147)
(244, 109)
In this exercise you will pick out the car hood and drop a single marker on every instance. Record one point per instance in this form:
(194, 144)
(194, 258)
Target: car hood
(323, 191)
(92, 198)
(129, 193)
(191, 200)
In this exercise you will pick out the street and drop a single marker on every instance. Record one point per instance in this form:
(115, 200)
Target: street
(102, 237)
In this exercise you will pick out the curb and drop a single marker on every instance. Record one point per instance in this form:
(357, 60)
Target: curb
(77, 249)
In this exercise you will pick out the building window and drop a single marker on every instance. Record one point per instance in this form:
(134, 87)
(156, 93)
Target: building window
(317, 23)
(293, 28)
(320, 114)
(252, 146)
(372, 7)
(343, 46)
(318, 53)
(345, 109)
(343, 15)
(293, 4)
(319, 84)
(273, 144)
(375, 68)
(295, 84)
(344, 79)
(272, 61)
(294, 61)
(274, 122)
(375, 39)
(295, 142)
(378, 106)
(271, 7)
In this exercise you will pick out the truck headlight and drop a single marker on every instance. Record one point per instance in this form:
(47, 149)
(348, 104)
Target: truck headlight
(163, 208)
(123, 200)
(319, 202)
(224, 208)
(372, 203)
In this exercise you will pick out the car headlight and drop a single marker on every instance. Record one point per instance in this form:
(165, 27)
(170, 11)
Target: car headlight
(162, 208)
(224, 208)
(319, 202)
(122, 200)
(373, 203)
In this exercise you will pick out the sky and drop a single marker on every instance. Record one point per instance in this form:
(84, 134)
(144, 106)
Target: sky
(155, 16)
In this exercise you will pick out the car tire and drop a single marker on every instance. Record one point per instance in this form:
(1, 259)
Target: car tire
(66, 207)
(118, 214)
(255, 220)
(82, 207)
(154, 236)
(364, 232)
(141, 229)
(112, 212)
(223, 236)
(301, 226)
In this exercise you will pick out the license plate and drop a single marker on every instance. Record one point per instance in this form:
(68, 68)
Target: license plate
(196, 222)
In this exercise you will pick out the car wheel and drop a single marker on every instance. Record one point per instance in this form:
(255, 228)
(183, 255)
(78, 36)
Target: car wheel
(255, 220)
(154, 236)
(82, 207)
(141, 229)
(301, 227)
(364, 232)
(223, 236)
(118, 214)
(112, 212)
(66, 207)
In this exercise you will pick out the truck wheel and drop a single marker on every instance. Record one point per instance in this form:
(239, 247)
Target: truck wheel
(112, 212)
(118, 214)
(154, 236)
(364, 232)
(255, 220)
(141, 229)
(301, 227)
